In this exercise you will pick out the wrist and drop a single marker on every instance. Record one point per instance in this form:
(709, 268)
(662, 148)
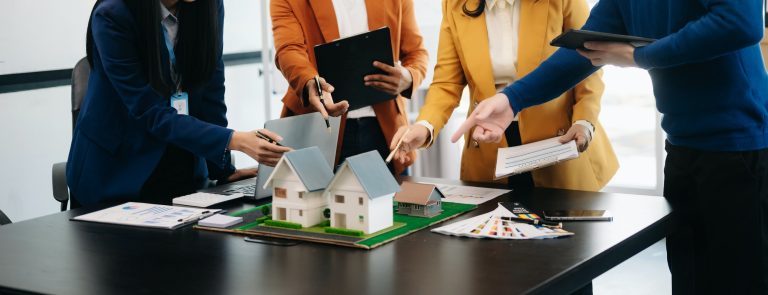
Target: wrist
(235, 141)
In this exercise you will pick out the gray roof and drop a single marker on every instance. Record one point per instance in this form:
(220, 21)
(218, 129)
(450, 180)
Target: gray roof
(311, 167)
(373, 174)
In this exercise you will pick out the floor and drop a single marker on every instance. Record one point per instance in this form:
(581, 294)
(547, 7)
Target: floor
(645, 273)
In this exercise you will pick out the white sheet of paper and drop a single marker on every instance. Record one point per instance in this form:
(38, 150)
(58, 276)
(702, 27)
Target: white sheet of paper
(468, 194)
(532, 156)
(147, 215)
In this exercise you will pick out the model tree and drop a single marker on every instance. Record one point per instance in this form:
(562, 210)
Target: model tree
(266, 210)
(327, 213)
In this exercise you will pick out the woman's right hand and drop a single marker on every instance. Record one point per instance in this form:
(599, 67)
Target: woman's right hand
(414, 137)
(257, 148)
(333, 109)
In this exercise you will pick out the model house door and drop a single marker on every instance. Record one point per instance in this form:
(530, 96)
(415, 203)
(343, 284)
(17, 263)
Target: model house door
(280, 214)
(340, 220)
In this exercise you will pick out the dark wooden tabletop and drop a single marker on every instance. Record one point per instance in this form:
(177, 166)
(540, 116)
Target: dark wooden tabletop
(52, 254)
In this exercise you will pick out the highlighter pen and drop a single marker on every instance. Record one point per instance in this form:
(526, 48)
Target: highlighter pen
(322, 102)
(534, 222)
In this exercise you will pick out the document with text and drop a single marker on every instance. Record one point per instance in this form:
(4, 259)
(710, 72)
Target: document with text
(532, 156)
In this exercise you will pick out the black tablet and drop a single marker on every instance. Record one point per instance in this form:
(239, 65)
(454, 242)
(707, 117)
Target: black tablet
(574, 39)
(345, 62)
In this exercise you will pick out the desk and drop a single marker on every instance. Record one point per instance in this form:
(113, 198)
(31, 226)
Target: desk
(54, 255)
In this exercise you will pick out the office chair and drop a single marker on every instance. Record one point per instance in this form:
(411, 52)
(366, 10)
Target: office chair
(4, 219)
(80, 75)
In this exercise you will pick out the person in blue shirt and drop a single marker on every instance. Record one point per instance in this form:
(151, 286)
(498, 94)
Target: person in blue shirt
(712, 89)
(152, 125)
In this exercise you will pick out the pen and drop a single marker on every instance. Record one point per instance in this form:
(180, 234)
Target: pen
(267, 138)
(399, 142)
(202, 214)
(322, 102)
(535, 222)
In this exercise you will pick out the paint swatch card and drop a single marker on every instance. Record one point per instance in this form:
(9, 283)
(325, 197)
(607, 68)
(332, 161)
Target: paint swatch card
(493, 225)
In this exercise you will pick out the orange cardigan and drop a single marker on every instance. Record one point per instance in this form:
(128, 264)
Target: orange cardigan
(299, 25)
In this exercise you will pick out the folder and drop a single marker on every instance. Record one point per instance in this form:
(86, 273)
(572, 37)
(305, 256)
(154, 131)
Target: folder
(345, 62)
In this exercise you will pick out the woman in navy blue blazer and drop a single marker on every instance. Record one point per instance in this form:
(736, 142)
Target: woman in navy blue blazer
(153, 123)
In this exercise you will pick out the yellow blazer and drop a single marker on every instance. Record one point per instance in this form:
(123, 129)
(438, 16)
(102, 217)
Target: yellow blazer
(463, 59)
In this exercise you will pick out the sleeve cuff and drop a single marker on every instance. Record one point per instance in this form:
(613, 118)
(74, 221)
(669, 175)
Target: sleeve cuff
(641, 58)
(588, 125)
(431, 129)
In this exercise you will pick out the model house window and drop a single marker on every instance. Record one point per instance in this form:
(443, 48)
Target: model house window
(340, 199)
(361, 218)
(301, 195)
(301, 212)
(360, 201)
(280, 192)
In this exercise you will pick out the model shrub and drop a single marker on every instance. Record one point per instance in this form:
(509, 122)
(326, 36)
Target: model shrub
(280, 223)
(344, 231)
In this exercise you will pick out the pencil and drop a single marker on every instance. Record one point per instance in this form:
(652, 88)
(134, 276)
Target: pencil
(399, 142)
(322, 102)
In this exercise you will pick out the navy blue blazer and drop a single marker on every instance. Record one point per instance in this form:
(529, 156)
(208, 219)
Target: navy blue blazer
(124, 125)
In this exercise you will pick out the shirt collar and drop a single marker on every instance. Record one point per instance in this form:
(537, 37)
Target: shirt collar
(500, 4)
(165, 13)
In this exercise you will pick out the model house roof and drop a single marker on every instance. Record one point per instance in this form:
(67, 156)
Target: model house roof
(416, 193)
(310, 166)
(372, 173)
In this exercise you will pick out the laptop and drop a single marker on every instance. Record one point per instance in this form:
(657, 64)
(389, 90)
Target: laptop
(298, 132)
(345, 62)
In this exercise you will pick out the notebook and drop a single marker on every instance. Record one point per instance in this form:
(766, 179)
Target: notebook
(532, 156)
(220, 221)
(574, 39)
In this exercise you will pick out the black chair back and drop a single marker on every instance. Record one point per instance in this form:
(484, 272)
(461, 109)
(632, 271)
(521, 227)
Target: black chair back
(80, 75)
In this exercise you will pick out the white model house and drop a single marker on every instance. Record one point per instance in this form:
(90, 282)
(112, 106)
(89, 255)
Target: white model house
(298, 181)
(360, 195)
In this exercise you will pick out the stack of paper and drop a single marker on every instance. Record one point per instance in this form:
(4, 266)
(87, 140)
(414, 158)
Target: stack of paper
(532, 156)
(492, 225)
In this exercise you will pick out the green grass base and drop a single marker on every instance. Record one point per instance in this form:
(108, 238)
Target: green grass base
(416, 223)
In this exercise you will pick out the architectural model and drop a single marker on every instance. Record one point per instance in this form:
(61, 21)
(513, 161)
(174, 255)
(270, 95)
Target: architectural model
(418, 199)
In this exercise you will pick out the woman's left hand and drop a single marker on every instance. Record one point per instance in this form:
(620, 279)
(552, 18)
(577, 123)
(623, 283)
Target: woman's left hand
(580, 134)
(241, 174)
(396, 80)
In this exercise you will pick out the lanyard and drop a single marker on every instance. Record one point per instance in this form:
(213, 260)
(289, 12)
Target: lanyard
(172, 58)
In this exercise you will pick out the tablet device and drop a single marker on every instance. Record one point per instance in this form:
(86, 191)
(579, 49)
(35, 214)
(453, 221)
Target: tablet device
(574, 39)
(577, 215)
(345, 62)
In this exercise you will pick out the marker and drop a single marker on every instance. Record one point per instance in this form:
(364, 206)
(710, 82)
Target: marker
(535, 222)
(322, 102)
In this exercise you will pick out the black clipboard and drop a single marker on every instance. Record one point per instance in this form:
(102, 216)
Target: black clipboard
(345, 62)
(574, 39)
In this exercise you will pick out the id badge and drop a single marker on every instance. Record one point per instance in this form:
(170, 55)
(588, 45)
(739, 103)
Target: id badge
(180, 102)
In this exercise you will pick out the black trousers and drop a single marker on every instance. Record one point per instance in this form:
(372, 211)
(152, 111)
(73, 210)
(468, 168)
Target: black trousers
(363, 135)
(719, 240)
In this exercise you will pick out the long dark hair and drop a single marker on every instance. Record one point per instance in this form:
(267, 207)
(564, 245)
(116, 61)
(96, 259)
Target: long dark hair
(196, 48)
(474, 13)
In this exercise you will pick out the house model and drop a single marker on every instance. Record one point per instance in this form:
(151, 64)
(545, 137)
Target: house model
(360, 195)
(418, 199)
(298, 181)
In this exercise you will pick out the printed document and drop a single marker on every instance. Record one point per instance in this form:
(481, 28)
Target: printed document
(532, 156)
(148, 215)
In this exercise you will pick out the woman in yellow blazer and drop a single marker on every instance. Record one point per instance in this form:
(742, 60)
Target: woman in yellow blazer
(477, 38)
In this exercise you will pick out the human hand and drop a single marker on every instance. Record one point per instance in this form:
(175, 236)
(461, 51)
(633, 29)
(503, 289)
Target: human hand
(257, 148)
(396, 80)
(609, 53)
(333, 109)
(241, 174)
(414, 137)
(580, 134)
(489, 119)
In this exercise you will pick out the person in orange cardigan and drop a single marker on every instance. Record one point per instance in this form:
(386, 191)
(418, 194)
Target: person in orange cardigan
(488, 44)
(299, 25)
